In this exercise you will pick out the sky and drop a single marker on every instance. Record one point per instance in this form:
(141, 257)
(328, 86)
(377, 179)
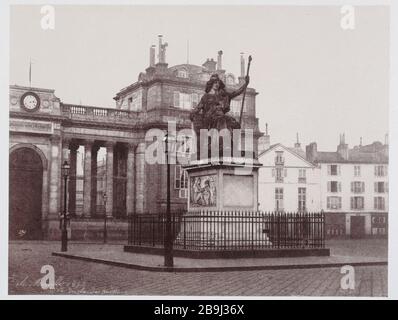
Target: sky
(313, 77)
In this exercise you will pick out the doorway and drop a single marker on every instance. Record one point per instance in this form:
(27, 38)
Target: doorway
(357, 227)
(25, 195)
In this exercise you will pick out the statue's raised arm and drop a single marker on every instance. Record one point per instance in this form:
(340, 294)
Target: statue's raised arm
(239, 91)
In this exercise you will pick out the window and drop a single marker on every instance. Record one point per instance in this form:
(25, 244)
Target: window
(357, 171)
(279, 159)
(182, 73)
(230, 80)
(302, 199)
(333, 170)
(185, 100)
(335, 230)
(135, 101)
(379, 203)
(302, 176)
(357, 203)
(381, 171)
(378, 231)
(381, 187)
(357, 186)
(334, 202)
(280, 173)
(334, 186)
(278, 199)
(236, 105)
(195, 99)
(184, 145)
(181, 181)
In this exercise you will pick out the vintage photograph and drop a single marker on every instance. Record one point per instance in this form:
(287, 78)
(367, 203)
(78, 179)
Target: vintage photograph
(214, 150)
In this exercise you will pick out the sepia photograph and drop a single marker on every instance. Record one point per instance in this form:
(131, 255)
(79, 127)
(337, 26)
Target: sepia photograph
(224, 150)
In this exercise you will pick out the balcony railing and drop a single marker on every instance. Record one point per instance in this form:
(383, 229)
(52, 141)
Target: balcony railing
(117, 116)
(302, 180)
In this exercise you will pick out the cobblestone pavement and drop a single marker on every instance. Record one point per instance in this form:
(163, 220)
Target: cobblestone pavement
(79, 277)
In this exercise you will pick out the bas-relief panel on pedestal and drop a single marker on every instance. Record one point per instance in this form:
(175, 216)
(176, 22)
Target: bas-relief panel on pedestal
(203, 191)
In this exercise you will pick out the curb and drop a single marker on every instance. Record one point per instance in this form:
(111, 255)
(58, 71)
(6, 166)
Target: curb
(218, 269)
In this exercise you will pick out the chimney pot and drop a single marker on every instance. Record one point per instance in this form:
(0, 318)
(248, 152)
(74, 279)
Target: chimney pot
(242, 65)
(219, 60)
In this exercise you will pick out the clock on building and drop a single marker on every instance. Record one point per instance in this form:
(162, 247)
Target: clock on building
(30, 101)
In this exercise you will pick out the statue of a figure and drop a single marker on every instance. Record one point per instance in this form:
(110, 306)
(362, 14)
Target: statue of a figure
(212, 110)
(162, 52)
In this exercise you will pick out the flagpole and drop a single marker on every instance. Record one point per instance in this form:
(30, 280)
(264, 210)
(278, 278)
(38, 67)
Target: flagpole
(30, 72)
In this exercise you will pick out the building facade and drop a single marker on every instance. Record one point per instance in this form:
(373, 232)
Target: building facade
(287, 181)
(354, 188)
(109, 144)
(349, 185)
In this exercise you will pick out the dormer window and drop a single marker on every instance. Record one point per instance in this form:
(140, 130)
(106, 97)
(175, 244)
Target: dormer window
(279, 159)
(182, 73)
(135, 101)
(230, 80)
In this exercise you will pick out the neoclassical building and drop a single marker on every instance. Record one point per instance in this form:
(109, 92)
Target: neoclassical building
(116, 181)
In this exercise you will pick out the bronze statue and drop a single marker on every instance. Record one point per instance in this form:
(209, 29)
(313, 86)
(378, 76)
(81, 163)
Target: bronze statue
(212, 110)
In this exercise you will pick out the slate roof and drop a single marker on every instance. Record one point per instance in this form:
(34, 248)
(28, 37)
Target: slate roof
(373, 153)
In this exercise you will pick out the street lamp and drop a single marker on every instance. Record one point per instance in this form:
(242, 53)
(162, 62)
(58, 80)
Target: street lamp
(168, 243)
(64, 217)
(104, 198)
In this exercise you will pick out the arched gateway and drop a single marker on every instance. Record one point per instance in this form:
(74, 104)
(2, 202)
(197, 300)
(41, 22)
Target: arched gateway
(26, 182)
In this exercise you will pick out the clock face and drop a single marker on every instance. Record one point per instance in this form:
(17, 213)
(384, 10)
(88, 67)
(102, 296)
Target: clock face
(30, 101)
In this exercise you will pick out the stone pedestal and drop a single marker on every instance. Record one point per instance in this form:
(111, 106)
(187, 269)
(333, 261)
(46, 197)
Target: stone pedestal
(222, 186)
(220, 196)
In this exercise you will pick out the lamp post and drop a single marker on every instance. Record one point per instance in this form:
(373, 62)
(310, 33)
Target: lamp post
(64, 236)
(168, 243)
(104, 198)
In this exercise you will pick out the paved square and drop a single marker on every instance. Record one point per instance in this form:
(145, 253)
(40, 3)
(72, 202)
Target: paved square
(78, 277)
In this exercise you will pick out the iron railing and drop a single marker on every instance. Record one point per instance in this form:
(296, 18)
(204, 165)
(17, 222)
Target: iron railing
(230, 230)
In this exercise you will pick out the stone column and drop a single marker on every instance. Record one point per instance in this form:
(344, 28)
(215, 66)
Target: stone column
(65, 157)
(55, 176)
(94, 153)
(140, 178)
(72, 179)
(87, 179)
(109, 178)
(130, 196)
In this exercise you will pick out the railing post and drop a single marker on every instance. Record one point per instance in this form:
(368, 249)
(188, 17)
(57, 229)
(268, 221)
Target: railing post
(278, 224)
(252, 226)
(153, 231)
(185, 233)
(323, 229)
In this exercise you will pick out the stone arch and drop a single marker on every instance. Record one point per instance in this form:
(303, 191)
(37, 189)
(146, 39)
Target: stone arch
(43, 158)
(45, 165)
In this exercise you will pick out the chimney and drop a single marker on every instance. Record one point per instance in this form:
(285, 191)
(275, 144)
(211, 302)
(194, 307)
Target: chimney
(162, 51)
(219, 60)
(242, 65)
(342, 148)
(210, 65)
(152, 56)
(311, 152)
(242, 69)
(297, 145)
(264, 142)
